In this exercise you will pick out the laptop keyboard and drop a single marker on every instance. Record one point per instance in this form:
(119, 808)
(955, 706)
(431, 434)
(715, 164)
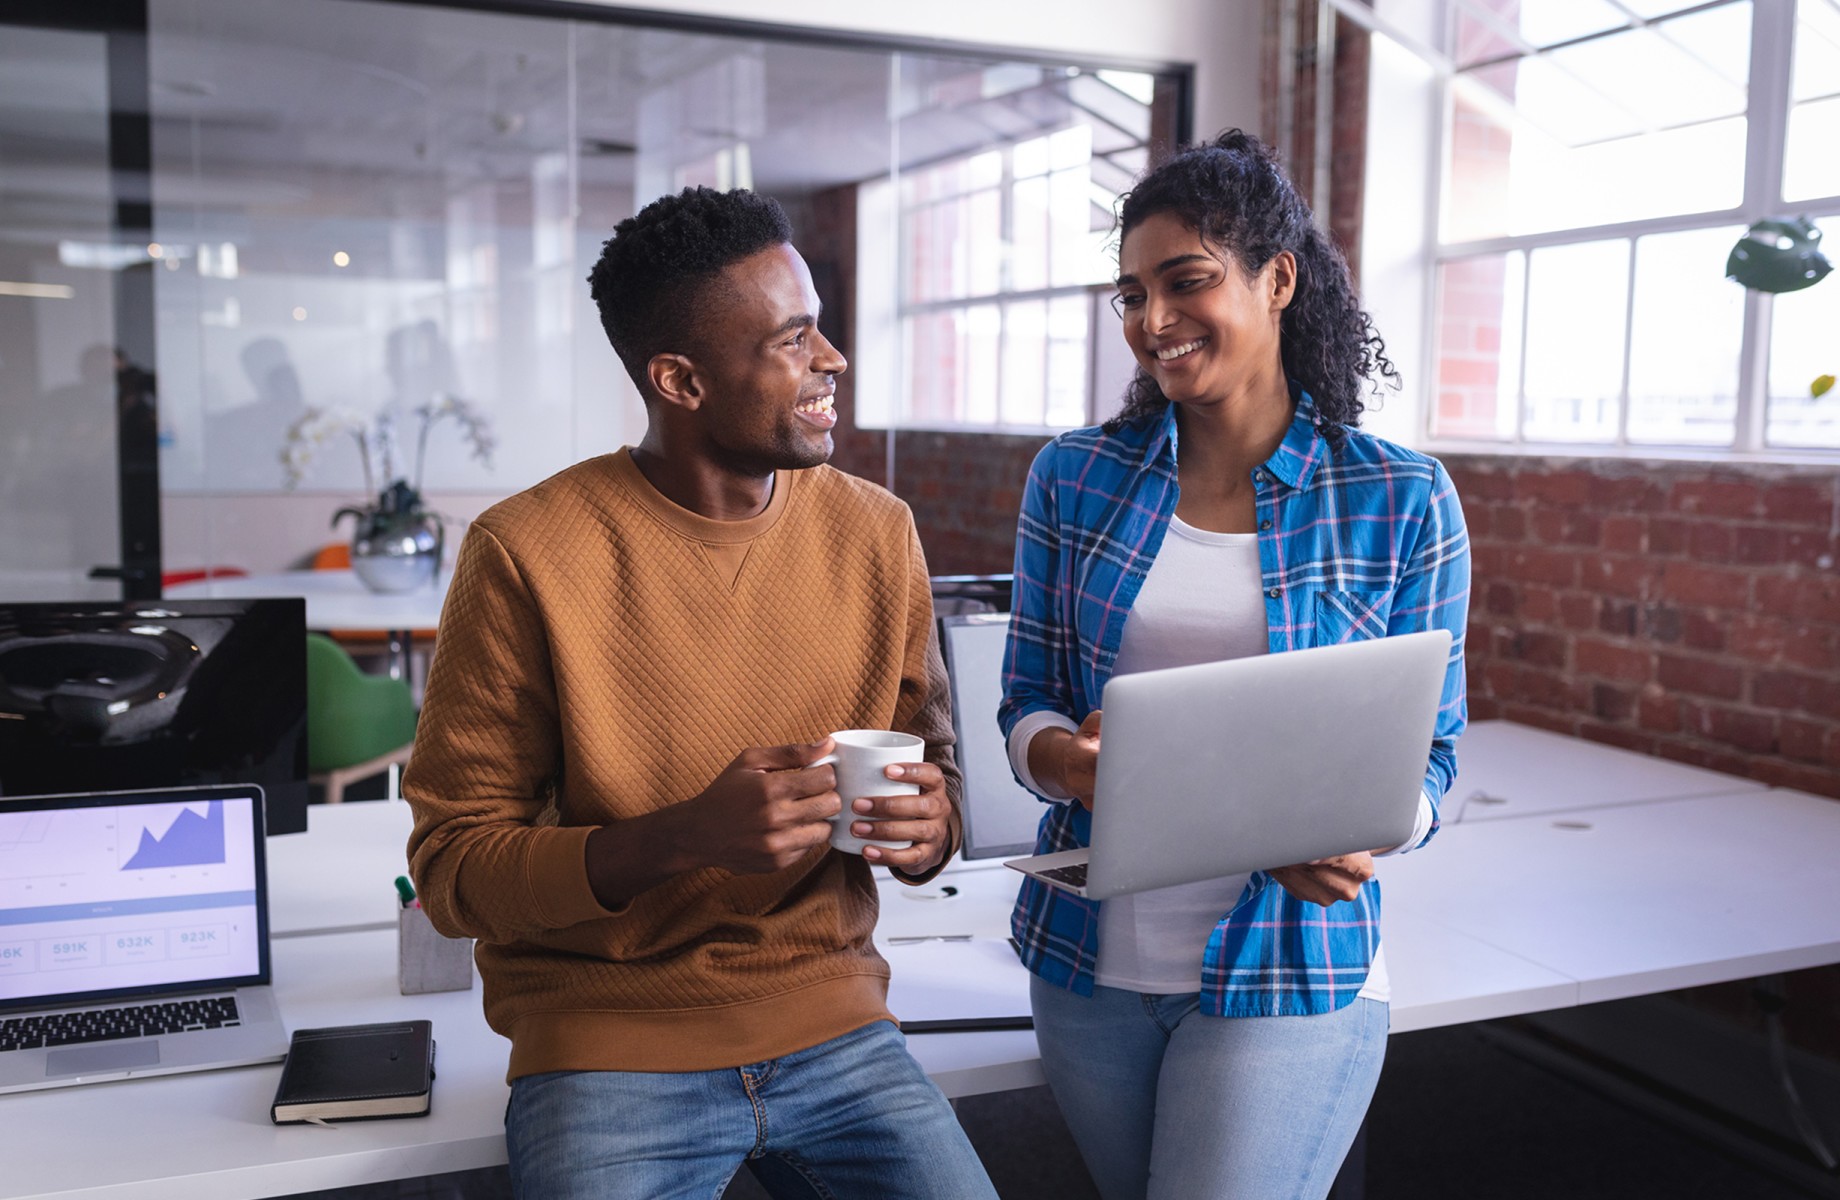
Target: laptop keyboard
(1074, 875)
(111, 1024)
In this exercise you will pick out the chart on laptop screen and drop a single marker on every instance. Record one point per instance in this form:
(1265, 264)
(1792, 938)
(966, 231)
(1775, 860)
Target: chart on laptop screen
(129, 896)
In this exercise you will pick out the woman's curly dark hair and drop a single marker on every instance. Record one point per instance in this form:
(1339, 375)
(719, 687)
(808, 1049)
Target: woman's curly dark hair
(1233, 192)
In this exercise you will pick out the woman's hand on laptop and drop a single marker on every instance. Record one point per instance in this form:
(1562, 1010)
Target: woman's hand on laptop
(1326, 880)
(1068, 762)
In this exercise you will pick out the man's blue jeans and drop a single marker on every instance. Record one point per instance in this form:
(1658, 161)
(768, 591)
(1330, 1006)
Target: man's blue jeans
(851, 1117)
(1167, 1103)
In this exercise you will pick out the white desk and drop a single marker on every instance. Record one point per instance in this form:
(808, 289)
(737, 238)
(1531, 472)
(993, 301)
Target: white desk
(337, 876)
(1496, 918)
(1647, 898)
(337, 600)
(1509, 770)
(208, 1137)
(1440, 976)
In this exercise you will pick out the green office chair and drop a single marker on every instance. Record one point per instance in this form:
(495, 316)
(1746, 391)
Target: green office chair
(358, 725)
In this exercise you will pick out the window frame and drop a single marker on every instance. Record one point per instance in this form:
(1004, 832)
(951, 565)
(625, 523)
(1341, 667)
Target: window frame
(1767, 112)
(1093, 294)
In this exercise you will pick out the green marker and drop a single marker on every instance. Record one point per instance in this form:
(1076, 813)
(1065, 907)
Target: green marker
(405, 890)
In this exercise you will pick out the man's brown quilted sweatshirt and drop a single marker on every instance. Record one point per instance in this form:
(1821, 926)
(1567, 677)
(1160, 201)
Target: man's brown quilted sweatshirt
(611, 651)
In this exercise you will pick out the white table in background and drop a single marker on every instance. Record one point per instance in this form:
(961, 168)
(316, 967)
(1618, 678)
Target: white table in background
(337, 600)
(1509, 770)
(336, 877)
(339, 875)
(1640, 898)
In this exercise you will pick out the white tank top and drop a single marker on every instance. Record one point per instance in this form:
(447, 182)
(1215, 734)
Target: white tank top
(1203, 601)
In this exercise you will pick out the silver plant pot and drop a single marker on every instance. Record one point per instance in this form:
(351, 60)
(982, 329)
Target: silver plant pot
(395, 551)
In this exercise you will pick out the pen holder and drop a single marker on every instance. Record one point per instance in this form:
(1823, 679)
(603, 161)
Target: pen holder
(428, 962)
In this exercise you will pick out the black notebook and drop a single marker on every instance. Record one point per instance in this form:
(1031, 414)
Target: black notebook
(354, 1072)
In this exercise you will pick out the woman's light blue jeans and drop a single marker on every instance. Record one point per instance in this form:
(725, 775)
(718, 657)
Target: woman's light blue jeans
(851, 1117)
(1167, 1103)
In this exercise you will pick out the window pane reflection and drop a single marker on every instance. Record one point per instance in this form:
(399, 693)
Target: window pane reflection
(1652, 114)
(1810, 168)
(1577, 305)
(62, 373)
(1683, 351)
(1479, 342)
(1803, 348)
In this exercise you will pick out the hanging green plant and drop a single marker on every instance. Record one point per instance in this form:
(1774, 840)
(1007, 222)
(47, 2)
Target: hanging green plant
(1780, 254)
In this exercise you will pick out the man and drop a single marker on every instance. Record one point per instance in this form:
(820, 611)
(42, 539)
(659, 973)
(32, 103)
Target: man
(614, 782)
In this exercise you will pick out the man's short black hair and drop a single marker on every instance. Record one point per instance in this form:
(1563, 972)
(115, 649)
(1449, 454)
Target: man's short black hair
(653, 270)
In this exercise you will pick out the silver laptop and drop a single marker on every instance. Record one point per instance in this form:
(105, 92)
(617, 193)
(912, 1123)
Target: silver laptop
(1224, 768)
(133, 936)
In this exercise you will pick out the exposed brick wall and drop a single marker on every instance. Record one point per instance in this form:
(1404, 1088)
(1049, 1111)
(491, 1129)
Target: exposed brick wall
(1348, 117)
(1678, 609)
(965, 490)
(1348, 141)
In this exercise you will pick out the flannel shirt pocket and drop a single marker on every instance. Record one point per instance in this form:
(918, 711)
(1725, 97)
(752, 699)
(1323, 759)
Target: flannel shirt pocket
(1343, 616)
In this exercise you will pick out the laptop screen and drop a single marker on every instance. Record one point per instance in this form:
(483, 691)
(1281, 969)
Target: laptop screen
(116, 894)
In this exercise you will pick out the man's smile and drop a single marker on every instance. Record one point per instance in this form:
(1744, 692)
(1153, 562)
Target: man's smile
(819, 410)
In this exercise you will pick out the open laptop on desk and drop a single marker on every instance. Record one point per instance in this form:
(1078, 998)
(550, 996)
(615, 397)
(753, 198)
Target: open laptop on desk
(1228, 767)
(133, 936)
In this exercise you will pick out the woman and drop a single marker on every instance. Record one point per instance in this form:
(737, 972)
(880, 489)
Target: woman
(1220, 1039)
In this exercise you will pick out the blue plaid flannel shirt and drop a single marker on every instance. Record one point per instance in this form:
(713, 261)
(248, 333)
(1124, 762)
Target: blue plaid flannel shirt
(1362, 543)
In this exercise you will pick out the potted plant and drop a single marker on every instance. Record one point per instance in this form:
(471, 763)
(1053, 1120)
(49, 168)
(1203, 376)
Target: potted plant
(397, 543)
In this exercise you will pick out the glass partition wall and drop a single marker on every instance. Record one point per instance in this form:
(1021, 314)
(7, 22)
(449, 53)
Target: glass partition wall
(73, 317)
(372, 225)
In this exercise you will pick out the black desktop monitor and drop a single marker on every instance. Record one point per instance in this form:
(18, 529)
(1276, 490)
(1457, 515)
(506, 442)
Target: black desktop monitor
(153, 694)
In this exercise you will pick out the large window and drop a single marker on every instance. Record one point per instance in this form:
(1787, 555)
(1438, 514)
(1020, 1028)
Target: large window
(1600, 158)
(999, 251)
(1000, 256)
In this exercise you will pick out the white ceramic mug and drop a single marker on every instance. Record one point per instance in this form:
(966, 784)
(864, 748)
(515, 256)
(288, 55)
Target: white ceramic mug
(861, 760)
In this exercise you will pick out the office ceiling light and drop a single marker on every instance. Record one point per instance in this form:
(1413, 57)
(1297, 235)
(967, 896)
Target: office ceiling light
(300, 314)
(217, 260)
(341, 259)
(102, 255)
(195, 88)
(37, 291)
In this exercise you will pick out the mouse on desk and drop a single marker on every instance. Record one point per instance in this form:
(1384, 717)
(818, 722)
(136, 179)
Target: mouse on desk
(943, 892)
